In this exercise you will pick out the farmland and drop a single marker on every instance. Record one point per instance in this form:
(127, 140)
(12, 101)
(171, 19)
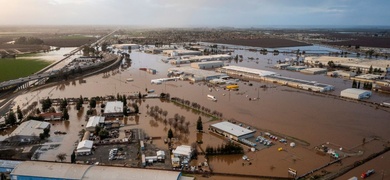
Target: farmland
(15, 68)
(262, 42)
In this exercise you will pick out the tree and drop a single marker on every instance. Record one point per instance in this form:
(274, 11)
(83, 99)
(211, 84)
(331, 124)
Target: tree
(354, 84)
(103, 134)
(73, 158)
(61, 156)
(358, 85)
(19, 113)
(92, 103)
(38, 111)
(46, 104)
(136, 109)
(199, 125)
(170, 134)
(370, 70)
(65, 114)
(64, 103)
(11, 118)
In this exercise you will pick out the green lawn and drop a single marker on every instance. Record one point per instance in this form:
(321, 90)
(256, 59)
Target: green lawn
(16, 68)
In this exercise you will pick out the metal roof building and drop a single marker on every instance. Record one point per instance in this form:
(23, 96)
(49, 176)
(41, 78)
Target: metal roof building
(28, 131)
(355, 93)
(84, 147)
(231, 130)
(8, 165)
(207, 64)
(114, 108)
(48, 170)
(244, 70)
(93, 121)
(51, 170)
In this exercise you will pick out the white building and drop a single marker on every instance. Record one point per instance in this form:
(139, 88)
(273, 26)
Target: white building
(94, 121)
(183, 151)
(28, 131)
(231, 130)
(355, 93)
(84, 147)
(207, 65)
(113, 109)
(52, 170)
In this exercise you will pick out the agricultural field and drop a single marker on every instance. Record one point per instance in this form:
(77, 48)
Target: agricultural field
(262, 42)
(14, 68)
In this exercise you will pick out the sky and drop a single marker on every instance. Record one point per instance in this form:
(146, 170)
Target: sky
(196, 13)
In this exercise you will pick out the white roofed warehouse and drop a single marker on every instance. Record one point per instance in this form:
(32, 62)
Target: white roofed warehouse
(84, 147)
(28, 131)
(207, 65)
(93, 122)
(231, 130)
(355, 93)
(54, 171)
(113, 109)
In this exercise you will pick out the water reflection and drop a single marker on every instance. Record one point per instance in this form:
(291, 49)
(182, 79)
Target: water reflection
(225, 159)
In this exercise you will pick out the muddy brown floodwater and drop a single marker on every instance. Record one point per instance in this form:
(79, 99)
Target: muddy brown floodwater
(303, 115)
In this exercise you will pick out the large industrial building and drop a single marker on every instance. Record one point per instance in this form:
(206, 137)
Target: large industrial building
(207, 65)
(191, 59)
(113, 109)
(355, 93)
(231, 130)
(54, 171)
(300, 84)
(196, 75)
(28, 131)
(351, 63)
(257, 74)
(6, 166)
(246, 72)
(181, 52)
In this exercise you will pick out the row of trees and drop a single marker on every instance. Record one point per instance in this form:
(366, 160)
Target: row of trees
(197, 106)
(366, 85)
(28, 40)
(228, 148)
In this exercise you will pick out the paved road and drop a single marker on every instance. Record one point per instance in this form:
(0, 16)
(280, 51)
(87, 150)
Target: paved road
(41, 74)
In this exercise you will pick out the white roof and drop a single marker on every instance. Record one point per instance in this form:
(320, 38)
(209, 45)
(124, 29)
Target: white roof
(50, 170)
(232, 129)
(160, 153)
(114, 107)
(249, 70)
(122, 173)
(86, 144)
(30, 128)
(355, 91)
(78, 171)
(183, 150)
(95, 120)
(207, 62)
(9, 163)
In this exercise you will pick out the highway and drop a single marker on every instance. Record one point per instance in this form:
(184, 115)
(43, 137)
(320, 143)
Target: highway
(42, 73)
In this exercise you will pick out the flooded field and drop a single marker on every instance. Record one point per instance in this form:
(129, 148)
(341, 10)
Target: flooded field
(309, 117)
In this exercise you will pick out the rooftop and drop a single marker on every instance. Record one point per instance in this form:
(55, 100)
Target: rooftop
(93, 121)
(196, 72)
(85, 144)
(114, 107)
(183, 150)
(9, 163)
(232, 129)
(249, 70)
(355, 91)
(30, 128)
(50, 170)
(78, 171)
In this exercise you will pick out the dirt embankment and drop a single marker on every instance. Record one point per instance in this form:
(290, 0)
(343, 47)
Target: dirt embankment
(263, 42)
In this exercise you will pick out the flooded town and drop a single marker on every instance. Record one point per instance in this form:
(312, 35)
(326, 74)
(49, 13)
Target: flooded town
(108, 102)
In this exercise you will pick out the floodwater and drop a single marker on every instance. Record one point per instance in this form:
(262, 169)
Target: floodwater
(300, 114)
